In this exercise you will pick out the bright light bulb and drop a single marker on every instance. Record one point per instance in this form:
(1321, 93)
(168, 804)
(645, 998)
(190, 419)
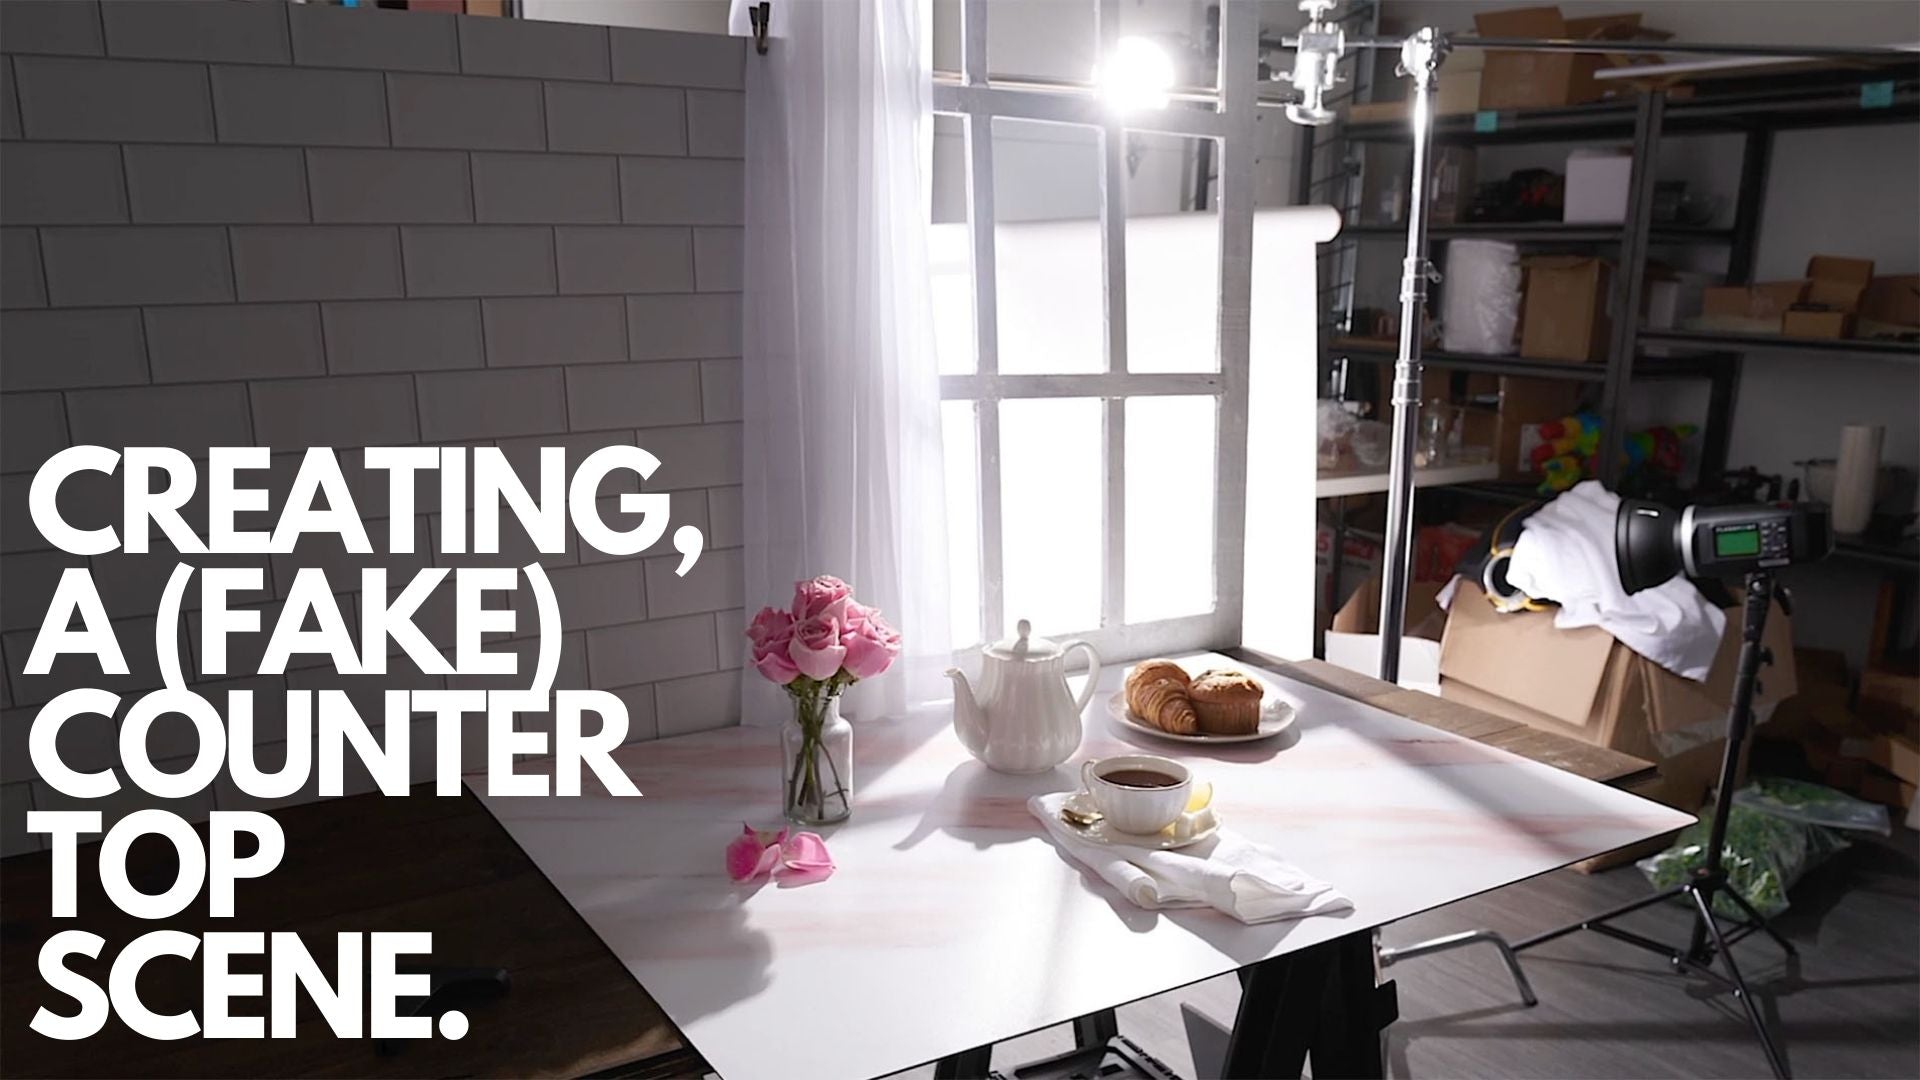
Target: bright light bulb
(1137, 75)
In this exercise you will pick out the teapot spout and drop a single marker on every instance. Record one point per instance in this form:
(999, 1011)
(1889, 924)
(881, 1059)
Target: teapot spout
(968, 722)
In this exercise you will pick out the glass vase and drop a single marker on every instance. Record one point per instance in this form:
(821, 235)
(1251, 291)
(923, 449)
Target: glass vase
(816, 763)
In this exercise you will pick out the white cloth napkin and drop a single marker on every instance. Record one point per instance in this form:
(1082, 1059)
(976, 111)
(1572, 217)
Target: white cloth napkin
(1226, 872)
(1565, 552)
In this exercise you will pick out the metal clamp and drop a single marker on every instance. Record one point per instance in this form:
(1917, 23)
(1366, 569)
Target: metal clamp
(761, 17)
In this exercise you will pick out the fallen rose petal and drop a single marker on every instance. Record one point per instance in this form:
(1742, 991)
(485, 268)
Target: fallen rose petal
(754, 854)
(806, 853)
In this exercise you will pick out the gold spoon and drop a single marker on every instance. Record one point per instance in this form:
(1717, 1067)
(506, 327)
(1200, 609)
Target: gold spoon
(1082, 819)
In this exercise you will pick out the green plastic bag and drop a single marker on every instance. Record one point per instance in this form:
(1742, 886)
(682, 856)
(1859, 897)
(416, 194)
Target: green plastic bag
(1772, 841)
(1813, 804)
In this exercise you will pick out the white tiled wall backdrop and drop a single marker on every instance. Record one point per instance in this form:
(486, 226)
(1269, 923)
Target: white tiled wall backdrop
(296, 225)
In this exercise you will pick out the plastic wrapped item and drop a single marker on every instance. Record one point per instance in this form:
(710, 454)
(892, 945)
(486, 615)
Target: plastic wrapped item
(1764, 856)
(1336, 425)
(1777, 830)
(1813, 804)
(1480, 298)
(1371, 441)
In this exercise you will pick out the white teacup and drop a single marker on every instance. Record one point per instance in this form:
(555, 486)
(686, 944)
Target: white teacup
(1142, 807)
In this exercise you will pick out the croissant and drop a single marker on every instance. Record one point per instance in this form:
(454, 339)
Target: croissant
(1147, 672)
(1163, 703)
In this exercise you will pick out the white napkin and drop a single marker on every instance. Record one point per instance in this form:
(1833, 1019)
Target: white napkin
(1226, 872)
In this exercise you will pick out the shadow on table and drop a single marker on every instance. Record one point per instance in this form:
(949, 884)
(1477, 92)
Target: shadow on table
(984, 807)
(698, 988)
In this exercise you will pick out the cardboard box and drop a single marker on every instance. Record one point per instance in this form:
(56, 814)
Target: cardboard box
(1353, 637)
(1835, 283)
(1821, 305)
(1896, 755)
(1596, 187)
(1524, 80)
(1584, 684)
(1754, 309)
(1821, 714)
(1891, 792)
(1455, 93)
(1890, 700)
(1894, 299)
(1817, 324)
(1565, 315)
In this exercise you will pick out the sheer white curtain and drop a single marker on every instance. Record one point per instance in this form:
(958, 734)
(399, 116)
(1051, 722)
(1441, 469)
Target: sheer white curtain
(842, 411)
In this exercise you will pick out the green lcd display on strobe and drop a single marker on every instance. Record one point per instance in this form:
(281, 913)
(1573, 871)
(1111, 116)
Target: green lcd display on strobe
(1738, 542)
(1655, 542)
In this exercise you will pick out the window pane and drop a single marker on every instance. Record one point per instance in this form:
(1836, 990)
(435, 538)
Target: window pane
(1173, 253)
(1051, 40)
(950, 250)
(1051, 464)
(1170, 502)
(961, 436)
(1047, 250)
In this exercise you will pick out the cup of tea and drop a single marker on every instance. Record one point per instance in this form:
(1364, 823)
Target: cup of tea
(1138, 793)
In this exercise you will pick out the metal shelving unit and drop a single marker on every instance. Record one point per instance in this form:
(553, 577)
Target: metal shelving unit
(1547, 232)
(1747, 344)
(1693, 366)
(1754, 108)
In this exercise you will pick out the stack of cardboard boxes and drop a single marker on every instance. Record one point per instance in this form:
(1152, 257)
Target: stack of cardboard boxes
(1838, 298)
(1864, 741)
(1474, 81)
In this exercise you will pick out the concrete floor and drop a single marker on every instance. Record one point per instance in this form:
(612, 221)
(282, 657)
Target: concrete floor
(1850, 1008)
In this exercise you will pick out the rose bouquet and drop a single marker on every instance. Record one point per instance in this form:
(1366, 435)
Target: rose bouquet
(824, 643)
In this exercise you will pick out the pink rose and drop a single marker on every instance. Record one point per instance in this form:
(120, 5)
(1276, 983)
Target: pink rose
(776, 668)
(816, 649)
(770, 630)
(770, 633)
(871, 644)
(823, 597)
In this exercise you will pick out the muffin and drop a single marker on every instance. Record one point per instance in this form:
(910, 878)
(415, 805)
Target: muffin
(1226, 702)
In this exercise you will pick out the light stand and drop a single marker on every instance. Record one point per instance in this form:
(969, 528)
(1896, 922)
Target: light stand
(1420, 57)
(1710, 881)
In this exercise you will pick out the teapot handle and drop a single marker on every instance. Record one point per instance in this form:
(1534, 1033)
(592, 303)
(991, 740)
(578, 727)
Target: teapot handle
(1093, 673)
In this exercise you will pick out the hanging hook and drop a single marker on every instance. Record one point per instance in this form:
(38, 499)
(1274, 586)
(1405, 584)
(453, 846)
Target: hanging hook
(760, 15)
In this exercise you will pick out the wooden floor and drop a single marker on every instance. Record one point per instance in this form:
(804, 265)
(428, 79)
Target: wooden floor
(1852, 1009)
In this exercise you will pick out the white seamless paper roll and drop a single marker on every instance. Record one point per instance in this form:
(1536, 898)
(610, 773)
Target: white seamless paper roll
(1855, 475)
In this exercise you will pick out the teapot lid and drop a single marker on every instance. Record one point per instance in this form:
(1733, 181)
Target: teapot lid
(1025, 645)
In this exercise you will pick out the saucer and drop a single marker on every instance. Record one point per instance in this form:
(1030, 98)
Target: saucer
(1102, 833)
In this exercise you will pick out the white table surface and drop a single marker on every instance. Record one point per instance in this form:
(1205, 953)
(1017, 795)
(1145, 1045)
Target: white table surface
(952, 922)
(1361, 480)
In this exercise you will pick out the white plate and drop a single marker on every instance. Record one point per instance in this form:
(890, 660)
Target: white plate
(1101, 833)
(1276, 716)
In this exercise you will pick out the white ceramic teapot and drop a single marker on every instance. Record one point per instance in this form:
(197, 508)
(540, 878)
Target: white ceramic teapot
(1024, 718)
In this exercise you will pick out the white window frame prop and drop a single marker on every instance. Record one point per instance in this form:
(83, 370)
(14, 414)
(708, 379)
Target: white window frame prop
(977, 100)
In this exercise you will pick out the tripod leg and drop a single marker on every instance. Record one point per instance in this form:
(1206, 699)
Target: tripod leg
(1740, 990)
(1761, 922)
(1469, 937)
(1605, 916)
